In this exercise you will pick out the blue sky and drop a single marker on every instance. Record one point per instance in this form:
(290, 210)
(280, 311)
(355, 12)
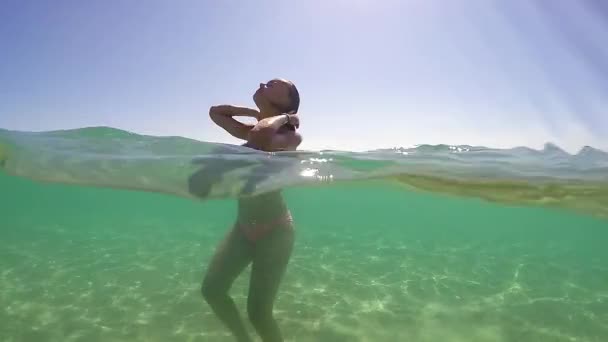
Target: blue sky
(371, 73)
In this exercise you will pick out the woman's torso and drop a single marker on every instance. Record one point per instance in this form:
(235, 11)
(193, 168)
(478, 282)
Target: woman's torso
(261, 208)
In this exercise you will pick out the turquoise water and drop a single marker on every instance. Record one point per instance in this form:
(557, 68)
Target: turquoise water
(387, 248)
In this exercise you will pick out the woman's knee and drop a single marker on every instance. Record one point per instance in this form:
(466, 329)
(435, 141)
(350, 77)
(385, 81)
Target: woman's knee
(212, 289)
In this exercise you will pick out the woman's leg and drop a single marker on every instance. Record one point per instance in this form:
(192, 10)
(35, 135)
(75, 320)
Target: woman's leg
(270, 258)
(229, 260)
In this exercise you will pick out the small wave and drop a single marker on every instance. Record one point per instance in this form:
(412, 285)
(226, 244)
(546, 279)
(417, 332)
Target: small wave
(109, 157)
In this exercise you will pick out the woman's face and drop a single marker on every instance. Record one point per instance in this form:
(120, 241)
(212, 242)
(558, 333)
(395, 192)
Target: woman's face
(273, 93)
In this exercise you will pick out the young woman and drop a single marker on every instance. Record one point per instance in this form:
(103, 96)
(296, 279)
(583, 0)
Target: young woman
(263, 233)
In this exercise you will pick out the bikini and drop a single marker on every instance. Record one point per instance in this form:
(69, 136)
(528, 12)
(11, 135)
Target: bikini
(255, 231)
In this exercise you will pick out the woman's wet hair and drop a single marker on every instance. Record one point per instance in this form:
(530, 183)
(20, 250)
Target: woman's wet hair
(294, 99)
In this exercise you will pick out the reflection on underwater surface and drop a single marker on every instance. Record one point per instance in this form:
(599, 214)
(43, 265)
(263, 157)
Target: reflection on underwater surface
(372, 262)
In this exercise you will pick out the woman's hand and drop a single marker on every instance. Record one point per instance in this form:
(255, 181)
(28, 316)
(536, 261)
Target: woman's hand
(276, 122)
(264, 133)
(293, 120)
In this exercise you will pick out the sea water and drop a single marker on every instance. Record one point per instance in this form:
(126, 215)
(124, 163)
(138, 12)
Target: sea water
(105, 235)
